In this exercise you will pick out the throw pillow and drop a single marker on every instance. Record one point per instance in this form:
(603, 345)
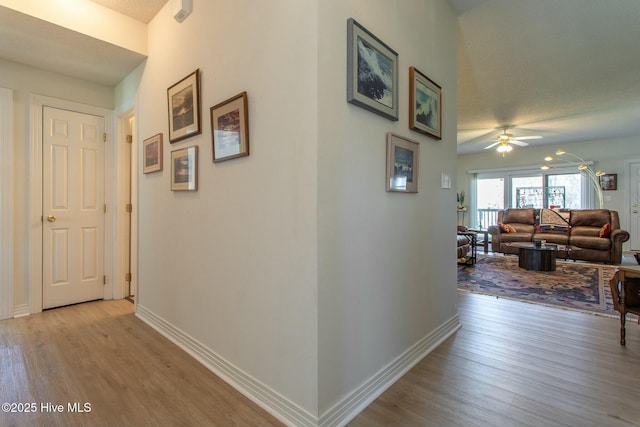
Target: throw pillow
(605, 230)
(552, 221)
(506, 228)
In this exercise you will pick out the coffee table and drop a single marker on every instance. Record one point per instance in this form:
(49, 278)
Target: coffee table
(538, 258)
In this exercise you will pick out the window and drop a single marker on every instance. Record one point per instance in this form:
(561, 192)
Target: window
(562, 189)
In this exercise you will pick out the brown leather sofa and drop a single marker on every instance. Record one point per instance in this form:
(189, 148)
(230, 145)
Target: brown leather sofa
(582, 233)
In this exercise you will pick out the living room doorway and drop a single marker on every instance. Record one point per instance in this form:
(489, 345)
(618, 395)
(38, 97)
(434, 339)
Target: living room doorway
(634, 202)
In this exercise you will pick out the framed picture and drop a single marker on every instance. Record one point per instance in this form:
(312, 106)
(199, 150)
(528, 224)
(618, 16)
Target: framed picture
(609, 181)
(184, 108)
(425, 104)
(372, 72)
(152, 155)
(230, 128)
(184, 169)
(402, 164)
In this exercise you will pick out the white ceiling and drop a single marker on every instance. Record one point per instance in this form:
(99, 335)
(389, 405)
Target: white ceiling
(142, 10)
(568, 70)
(40, 44)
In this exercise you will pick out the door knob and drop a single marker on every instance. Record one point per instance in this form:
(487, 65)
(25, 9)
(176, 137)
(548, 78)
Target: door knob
(51, 218)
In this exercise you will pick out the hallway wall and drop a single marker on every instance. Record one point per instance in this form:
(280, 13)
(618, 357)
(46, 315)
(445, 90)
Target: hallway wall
(24, 81)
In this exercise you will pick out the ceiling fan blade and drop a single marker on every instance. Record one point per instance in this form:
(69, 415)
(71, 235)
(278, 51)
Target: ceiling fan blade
(492, 145)
(520, 143)
(522, 138)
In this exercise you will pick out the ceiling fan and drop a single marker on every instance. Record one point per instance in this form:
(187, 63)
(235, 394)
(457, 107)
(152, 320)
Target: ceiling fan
(505, 140)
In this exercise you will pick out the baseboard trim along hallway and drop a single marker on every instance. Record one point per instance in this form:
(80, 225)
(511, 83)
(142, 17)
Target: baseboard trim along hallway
(345, 410)
(279, 406)
(268, 399)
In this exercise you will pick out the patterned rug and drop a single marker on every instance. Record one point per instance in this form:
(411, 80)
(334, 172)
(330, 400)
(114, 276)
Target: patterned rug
(574, 285)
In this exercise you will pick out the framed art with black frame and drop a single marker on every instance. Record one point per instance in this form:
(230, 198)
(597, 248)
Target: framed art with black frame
(402, 164)
(184, 108)
(609, 181)
(372, 72)
(425, 104)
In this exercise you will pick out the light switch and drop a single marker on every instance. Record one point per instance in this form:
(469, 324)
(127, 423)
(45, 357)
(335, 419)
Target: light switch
(446, 181)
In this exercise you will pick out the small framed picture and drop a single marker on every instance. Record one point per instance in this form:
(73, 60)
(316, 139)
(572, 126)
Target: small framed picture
(372, 72)
(402, 164)
(184, 108)
(184, 169)
(609, 181)
(152, 155)
(230, 128)
(425, 104)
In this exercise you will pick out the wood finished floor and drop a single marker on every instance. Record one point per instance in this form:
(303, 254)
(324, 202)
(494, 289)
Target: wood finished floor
(511, 364)
(519, 364)
(60, 356)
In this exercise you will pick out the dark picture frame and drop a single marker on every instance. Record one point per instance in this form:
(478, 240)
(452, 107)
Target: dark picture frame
(230, 128)
(183, 100)
(372, 72)
(403, 159)
(152, 154)
(609, 181)
(425, 104)
(184, 169)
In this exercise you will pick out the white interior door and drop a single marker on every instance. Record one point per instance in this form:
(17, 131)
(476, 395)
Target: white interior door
(73, 207)
(634, 215)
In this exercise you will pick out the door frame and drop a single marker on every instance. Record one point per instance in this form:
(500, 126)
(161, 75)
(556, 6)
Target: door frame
(625, 218)
(122, 243)
(6, 204)
(37, 102)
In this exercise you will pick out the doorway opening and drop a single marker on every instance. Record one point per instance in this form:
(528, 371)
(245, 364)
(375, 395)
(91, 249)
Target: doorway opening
(125, 274)
(36, 211)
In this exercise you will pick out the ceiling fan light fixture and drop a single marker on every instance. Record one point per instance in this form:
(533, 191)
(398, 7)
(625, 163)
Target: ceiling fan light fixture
(504, 148)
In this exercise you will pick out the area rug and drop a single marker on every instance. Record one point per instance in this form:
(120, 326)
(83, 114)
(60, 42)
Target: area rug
(574, 285)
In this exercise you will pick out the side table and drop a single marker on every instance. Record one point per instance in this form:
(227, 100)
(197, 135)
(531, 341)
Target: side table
(471, 260)
(485, 240)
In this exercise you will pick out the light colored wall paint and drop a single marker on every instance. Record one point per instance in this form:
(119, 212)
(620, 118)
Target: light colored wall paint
(386, 260)
(234, 264)
(24, 81)
(607, 155)
(89, 18)
(6, 203)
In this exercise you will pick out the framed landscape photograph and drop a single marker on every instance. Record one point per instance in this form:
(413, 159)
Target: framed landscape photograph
(402, 164)
(372, 72)
(152, 155)
(184, 108)
(609, 181)
(184, 169)
(230, 128)
(425, 104)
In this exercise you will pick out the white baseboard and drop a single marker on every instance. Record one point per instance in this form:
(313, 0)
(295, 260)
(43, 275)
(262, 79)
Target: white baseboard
(268, 399)
(345, 410)
(279, 406)
(21, 310)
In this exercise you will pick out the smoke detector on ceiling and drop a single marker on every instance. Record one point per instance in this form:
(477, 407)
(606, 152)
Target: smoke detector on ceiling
(181, 9)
